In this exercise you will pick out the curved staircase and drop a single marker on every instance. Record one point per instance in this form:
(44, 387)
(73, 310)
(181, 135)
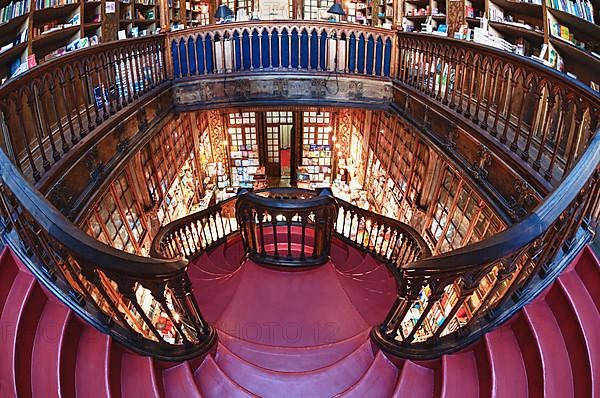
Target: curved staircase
(301, 333)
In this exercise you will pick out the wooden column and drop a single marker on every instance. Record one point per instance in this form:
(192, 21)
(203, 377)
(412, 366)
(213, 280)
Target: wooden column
(164, 14)
(110, 21)
(456, 15)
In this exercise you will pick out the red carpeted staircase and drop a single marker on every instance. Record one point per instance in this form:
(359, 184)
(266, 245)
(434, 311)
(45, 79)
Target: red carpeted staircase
(300, 334)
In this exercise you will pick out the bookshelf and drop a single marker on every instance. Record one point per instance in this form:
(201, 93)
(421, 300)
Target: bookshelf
(316, 167)
(563, 34)
(35, 31)
(198, 12)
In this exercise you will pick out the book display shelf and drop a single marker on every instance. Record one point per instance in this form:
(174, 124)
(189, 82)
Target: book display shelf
(563, 34)
(36, 31)
(138, 18)
(315, 170)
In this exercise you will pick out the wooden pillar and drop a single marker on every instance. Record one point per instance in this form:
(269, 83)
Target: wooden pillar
(456, 15)
(165, 18)
(110, 21)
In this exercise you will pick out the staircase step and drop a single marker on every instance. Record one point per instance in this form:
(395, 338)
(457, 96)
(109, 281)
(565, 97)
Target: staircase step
(378, 381)
(8, 273)
(215, 299)
(138, 377)
(585, 354)
(339, 252)
(415, 381)
(374, 276)
(233, 251)
(95, 362)
(195, 271)
(206, 265)
(508, 374)
(179, 382)
(373, 306)
(50, 364)
(354, 260)
(267, 298)
(12, 320)
(555, 362)
(214, 383)
(588, 269)
(368, 266)
(291, 359)
(459, 375)
(325, 382)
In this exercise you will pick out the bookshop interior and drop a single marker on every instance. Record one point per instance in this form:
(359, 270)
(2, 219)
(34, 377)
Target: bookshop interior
(562, 34)
(457, 135)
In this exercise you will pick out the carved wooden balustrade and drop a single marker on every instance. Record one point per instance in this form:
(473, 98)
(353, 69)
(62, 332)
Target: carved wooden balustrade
(47, 111)
(391, 240)
(281, 46)
(543, 118)
(119, 293)
(287, 229)
(448, 301)
(290, 227)
(538, 117)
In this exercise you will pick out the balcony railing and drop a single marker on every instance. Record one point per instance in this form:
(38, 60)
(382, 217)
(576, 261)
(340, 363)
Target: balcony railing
(538, 115)
(291, 227)
(46, 112)
(281, 46)
(532, 115)
(121, 294)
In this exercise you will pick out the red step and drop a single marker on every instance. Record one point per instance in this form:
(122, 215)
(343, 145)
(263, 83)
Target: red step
(138, 377)
(324, 382)
(460, 376)
(292, 359)
(415, 381)
(378, 381)
(507, 369)
(179, 382)
(14, 359)
(96, 361)
(587, 266)
(555, 362)
(51, 365)
(213, 382)
(584, 346)
(8, 273)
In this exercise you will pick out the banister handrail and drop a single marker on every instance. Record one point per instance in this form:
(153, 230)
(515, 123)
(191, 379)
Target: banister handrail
(71, 56)
(81, 270)
(530, 63)
(521, 233)
(518, 260)
(510, 260)
(49, 110)
(424, 249)
(74, 239)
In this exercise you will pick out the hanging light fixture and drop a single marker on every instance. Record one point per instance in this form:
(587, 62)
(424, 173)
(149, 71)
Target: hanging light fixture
(336, 9)
(223, 12)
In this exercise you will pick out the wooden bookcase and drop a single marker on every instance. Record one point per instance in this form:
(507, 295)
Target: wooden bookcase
(564, 34)
(36, 31)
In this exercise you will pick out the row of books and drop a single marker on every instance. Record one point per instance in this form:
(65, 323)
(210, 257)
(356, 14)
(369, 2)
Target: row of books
(21, 38)
(580, 8)
(563, 32)
(39, 4)
(14, 9)
(53, 26)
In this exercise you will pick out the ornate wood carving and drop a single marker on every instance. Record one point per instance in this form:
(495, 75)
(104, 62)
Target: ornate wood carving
(344, 130)
(199, 94)
(217, 135)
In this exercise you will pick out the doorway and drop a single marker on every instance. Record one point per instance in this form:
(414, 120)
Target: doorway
(279, 126)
